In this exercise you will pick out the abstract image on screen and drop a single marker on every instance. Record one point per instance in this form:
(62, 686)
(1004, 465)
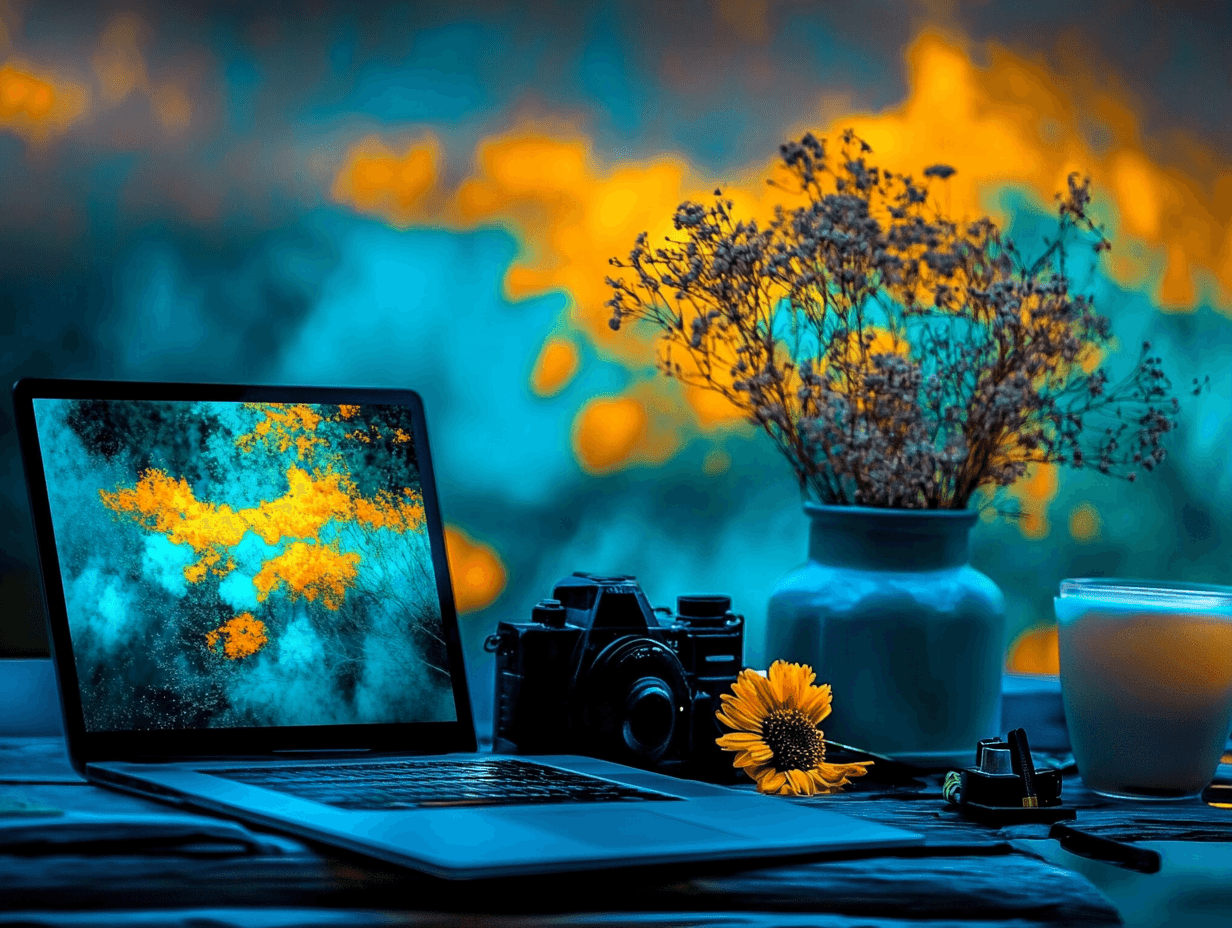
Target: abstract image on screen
(234, 565)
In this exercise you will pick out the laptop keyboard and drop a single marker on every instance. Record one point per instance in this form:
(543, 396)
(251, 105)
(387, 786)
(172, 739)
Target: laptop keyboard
(414, 784)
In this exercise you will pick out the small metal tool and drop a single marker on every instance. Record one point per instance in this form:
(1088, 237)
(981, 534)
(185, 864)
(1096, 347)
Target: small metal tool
(1004, 787)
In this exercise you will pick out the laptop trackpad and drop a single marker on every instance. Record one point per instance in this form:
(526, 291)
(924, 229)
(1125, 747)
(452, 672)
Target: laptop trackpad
(614, 825)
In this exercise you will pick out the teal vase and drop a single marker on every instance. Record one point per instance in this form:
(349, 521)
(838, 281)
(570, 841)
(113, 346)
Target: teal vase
(889, 611)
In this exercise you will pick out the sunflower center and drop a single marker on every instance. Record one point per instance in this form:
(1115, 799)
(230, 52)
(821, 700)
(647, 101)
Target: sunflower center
(796, 742)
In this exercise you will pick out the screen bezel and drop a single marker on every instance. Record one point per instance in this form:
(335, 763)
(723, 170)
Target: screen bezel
(91, 746)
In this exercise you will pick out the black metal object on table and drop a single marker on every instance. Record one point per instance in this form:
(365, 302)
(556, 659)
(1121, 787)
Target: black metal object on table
(1004, 787)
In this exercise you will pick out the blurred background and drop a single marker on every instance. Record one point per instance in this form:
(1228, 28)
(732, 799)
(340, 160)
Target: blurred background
(426, 195)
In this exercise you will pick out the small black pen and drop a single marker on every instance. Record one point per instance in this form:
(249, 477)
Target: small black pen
(1093, 847)
(1024, 767)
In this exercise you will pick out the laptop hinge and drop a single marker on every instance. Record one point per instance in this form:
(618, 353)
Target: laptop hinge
(280, 752)
(322, 752)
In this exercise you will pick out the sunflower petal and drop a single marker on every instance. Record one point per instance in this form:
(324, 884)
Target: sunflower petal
(767, 693)
(829, 777)
(790, 682)
(771, 780)
(836, 774)
(757, 774)
(735, 740)
(816, 703)
(735, 716)
(799, 680)
(753, 755)
(825, 787)
(745, 759)
(762, 752)
(776, 677)
(741, 711)
(744, 688)
(800, 782)
(754, 689)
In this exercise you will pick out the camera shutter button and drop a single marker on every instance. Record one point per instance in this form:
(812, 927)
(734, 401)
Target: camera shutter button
(549, 612)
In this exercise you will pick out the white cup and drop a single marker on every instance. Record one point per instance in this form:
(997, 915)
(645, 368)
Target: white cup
(1146, 678)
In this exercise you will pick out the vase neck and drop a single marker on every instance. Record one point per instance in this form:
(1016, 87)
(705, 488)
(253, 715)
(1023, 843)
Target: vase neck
(889, 539)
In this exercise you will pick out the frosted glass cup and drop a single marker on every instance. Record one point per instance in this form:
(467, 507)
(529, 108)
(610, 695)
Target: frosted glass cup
(1146, 678)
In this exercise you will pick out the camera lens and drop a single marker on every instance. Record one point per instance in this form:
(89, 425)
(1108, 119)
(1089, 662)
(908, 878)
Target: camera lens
(631, 703)
(650, 717)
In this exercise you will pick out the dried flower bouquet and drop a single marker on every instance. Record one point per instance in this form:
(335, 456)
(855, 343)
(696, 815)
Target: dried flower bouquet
(897, 357)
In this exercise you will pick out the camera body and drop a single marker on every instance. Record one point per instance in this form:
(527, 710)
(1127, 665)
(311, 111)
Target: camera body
(597, 671)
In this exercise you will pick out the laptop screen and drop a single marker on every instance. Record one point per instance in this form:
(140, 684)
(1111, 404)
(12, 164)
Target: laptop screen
(244, 564)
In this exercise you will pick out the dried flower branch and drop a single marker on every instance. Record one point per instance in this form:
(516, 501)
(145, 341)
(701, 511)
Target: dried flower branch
(896, 357)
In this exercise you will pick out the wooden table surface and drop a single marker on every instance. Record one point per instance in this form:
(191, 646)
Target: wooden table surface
(966, 874)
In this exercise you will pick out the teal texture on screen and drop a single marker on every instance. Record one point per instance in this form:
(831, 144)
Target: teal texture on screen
(233, 565)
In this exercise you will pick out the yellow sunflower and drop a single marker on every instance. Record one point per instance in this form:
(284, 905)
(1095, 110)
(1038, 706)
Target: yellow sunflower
(774, 733)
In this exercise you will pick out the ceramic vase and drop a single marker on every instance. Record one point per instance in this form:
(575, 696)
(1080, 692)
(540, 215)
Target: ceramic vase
(889, 611)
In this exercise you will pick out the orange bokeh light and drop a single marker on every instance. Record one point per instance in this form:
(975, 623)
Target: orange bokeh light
(394, 185)
(35, 105)
(607, 431)
(1035, 651)
(555, 367)
(476, 570)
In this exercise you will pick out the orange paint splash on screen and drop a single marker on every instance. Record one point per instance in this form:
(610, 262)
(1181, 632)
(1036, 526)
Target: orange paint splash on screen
(241, 636)
(476, 571)
(311, 572)
(311, 565)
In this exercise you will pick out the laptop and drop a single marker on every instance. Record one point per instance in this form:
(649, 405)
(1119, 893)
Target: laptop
(251, 615)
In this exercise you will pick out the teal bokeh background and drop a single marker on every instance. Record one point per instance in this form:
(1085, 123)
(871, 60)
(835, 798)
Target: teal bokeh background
(218, 252)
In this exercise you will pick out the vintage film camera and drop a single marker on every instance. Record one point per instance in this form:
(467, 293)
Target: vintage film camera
(597, 671)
